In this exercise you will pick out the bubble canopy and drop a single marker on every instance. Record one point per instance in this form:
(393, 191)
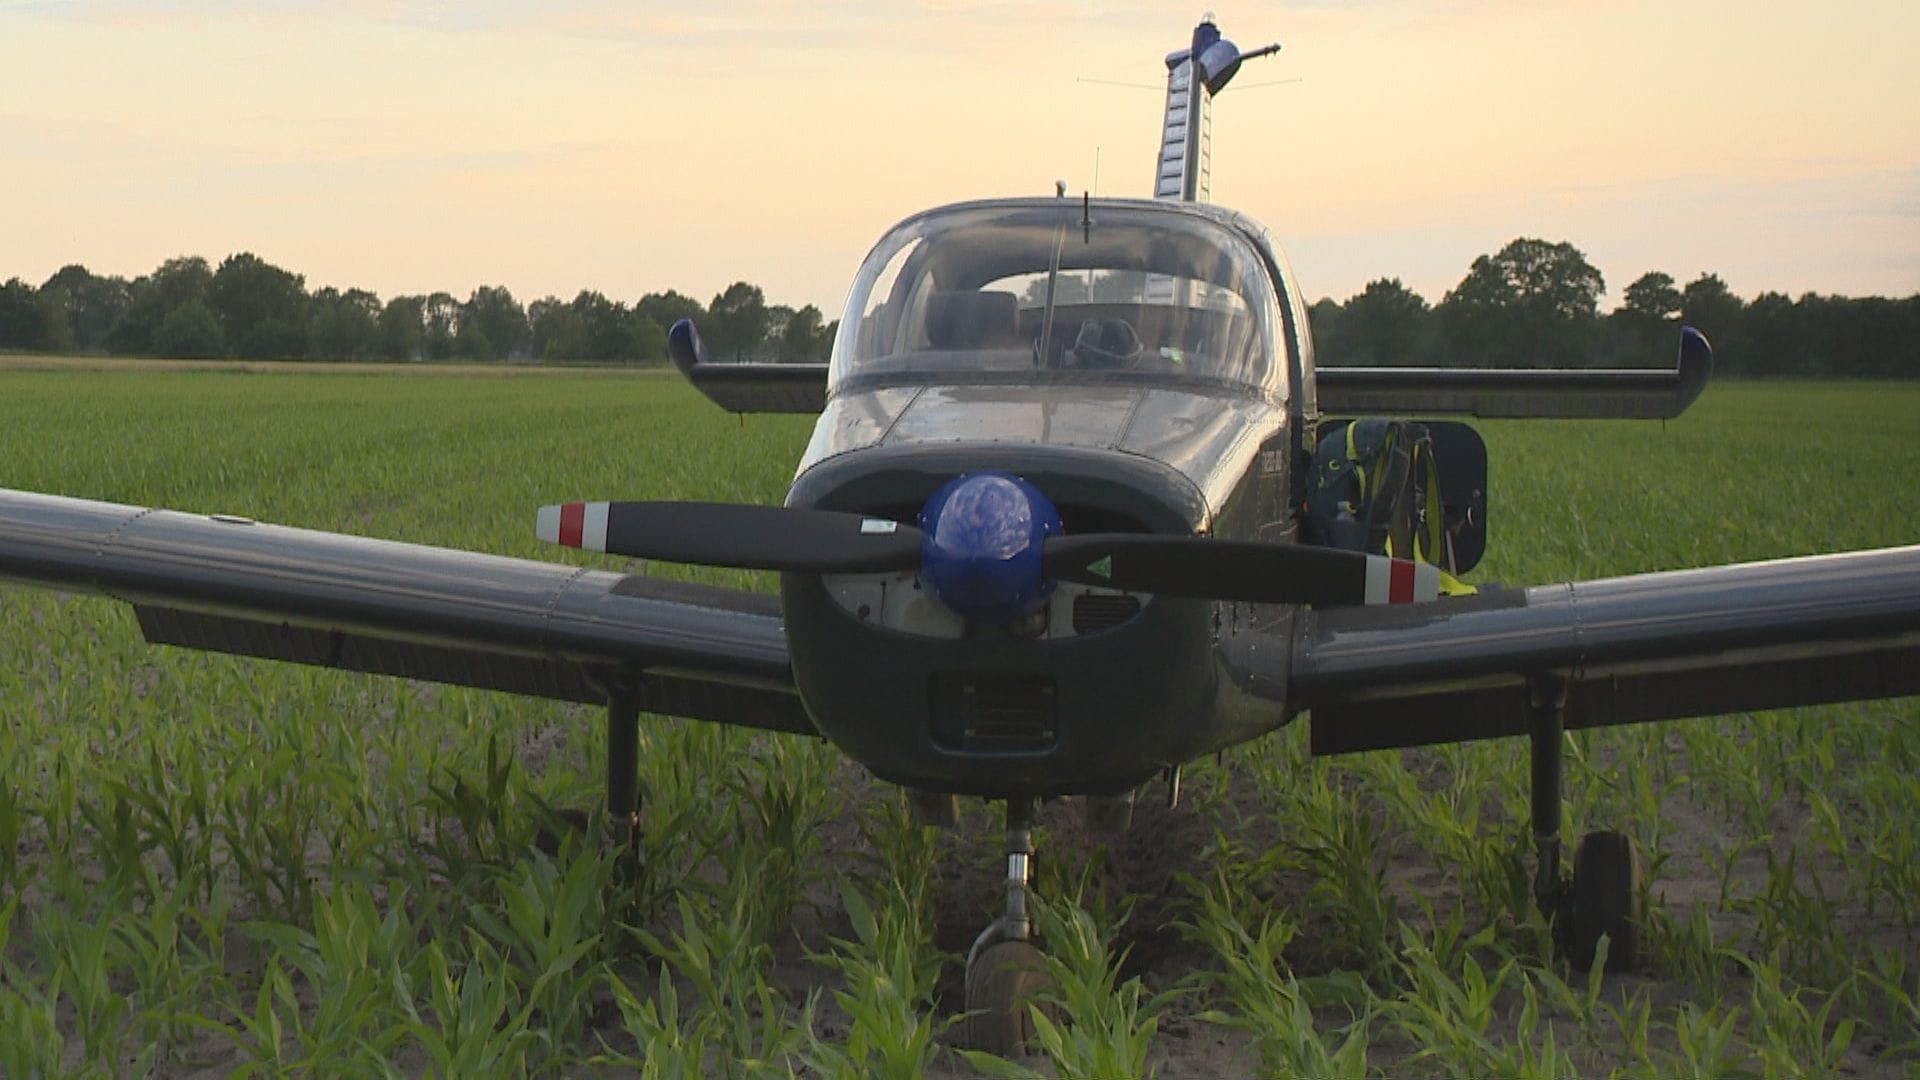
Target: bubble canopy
(1061, 290)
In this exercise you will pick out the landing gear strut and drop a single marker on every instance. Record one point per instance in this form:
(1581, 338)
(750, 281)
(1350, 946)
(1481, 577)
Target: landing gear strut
(1603, 895)
(623, 782)
(1005, 970)
(623, 765)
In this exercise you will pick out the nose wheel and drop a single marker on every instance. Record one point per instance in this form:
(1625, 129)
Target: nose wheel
(1006, 971)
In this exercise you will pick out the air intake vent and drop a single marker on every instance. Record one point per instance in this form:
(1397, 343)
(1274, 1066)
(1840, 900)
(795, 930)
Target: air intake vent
(1102, 611)
(1002, 713)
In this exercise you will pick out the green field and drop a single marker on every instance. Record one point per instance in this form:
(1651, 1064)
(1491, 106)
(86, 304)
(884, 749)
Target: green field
(210, 865)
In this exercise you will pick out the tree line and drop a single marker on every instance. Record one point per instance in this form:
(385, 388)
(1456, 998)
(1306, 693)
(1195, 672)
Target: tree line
(1537, 304)
(248, 308)
(1533, 303)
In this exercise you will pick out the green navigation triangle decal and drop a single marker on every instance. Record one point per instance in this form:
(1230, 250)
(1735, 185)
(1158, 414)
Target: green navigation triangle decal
(1102, 566)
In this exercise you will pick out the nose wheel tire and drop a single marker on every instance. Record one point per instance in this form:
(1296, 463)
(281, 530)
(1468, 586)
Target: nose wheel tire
(1003, 983)
(1605, 900)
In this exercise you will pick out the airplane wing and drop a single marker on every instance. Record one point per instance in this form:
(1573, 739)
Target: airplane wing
(1659, 646)
(236, 586)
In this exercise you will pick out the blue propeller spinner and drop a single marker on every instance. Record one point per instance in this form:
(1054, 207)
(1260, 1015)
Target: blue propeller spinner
(980, 546)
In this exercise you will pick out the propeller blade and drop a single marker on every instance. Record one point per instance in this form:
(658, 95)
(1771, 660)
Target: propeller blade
(1238, 570)
(730, 534)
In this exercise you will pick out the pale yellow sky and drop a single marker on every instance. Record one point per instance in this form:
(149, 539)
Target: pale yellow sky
(631, 147)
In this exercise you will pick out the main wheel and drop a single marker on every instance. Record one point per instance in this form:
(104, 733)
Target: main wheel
(1605, 900)
(1001, 985)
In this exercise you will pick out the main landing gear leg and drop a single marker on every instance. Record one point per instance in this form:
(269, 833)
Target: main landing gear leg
(1004, 968)
(623, 783)
(623, 767)
(1603, 895)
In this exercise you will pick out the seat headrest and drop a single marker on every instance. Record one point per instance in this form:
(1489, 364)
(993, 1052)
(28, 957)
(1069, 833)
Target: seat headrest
(964, 319)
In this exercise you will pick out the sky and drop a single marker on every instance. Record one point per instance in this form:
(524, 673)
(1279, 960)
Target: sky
(635, 147)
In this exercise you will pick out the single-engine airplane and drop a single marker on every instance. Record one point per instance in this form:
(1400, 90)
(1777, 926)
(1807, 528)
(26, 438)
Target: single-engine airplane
(1051, 538)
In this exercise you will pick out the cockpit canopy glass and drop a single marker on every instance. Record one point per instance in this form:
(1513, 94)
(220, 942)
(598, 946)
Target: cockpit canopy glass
(1059, 289)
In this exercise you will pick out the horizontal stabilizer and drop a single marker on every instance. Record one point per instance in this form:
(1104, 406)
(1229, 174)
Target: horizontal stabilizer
(1546, 393)
(745, 388)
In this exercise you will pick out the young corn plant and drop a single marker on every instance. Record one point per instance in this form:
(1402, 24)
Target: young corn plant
(1265, 1002)
(475, 1022)
(720, 953)
(549, 925)
(667, 1047)
(1448, 1009)
(1105, 1025)
(889, 970)
(31, 1043)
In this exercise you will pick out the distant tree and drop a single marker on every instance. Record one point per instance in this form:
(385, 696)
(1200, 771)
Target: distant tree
(670, 307)
(495, 315)
(1386, 325)
(1326, 318)
(343, 326)
(442, 314)
(1707, 305)
(152, 297)
(190, 331)
(1643, 330)
(555, 329)
(768, 347)
(1533, 302)
(262, 309)
(471, 343)
(1068, 288)
(57, 331)
(23, 322)
(604, 325)
(401, 327)
(800, 337)
(1653, 296)
(89, 305)
(828, 338)
(649, 339)
(739, 320)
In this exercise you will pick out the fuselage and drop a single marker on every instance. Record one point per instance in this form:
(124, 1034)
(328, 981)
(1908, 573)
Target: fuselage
(1188, 419)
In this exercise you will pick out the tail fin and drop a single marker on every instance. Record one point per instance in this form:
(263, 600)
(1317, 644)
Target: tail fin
(1194, 75)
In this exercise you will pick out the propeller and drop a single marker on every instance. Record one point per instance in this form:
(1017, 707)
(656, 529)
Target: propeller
(990, 546)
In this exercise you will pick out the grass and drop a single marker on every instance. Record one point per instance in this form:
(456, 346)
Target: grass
(214, 864)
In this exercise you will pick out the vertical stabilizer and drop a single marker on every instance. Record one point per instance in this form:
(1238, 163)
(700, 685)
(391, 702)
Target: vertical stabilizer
(1194, 75)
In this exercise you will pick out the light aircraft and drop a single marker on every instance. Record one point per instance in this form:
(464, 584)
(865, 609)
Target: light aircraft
(1048, 540)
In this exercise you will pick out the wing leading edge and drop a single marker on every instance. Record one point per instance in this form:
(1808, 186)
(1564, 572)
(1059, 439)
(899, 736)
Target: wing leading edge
(1660, 646)
(231, 585)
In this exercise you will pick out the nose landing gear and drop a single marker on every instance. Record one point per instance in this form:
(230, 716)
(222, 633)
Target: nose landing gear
(1005, 971)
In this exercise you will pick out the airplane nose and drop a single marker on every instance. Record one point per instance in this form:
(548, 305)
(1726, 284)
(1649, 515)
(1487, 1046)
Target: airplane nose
(980, 551)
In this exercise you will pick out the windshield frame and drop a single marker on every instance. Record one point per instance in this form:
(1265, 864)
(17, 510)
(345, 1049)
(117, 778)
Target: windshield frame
(906, 264)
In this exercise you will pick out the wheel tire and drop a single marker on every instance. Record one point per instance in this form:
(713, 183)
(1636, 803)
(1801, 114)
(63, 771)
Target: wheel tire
(1605, 901)
(1001, 983)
